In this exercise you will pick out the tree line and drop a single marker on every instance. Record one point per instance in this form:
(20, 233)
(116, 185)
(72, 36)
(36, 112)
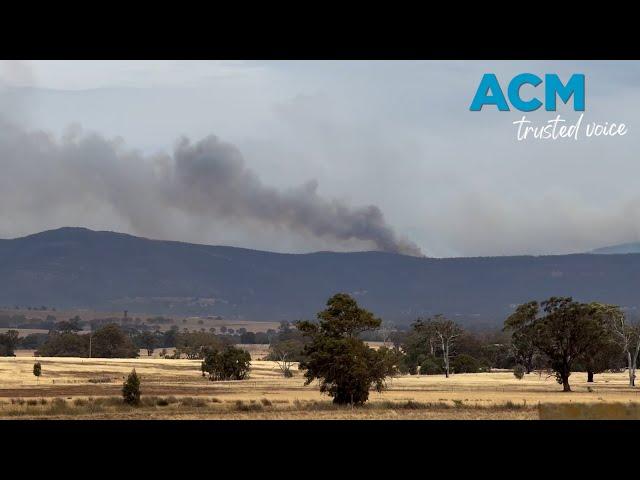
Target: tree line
(564, 335)
(558, 335)
(111, 340)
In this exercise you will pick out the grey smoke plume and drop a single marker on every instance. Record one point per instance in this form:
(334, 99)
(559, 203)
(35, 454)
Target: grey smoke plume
(207, 179)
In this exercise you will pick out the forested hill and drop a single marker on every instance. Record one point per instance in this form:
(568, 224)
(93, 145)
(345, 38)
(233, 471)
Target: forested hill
(75, 267)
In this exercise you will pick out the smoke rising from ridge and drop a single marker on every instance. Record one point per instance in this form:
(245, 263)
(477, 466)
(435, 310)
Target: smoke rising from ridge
(207, 179)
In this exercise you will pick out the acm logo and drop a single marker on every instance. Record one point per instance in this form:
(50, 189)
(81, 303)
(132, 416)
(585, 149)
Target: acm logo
(490, 92)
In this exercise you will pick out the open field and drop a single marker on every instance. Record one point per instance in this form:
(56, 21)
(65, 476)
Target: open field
(176, 389)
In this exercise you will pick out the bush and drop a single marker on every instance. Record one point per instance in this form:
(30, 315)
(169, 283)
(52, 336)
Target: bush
(131, 389)
(406, 367)
(100, 380)
(518, 371)
(229, 364)
(431, 366)
(484, 365)
(248, 407)
(465, 364)
(193, 402)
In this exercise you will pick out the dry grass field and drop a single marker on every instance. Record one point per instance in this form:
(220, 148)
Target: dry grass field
(90, 388)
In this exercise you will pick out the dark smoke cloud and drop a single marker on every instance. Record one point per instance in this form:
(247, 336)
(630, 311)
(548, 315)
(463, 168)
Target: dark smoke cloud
(206, 179)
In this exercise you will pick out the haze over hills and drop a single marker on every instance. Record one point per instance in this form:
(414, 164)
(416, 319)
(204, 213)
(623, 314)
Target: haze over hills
(619, 249)
(76, 267)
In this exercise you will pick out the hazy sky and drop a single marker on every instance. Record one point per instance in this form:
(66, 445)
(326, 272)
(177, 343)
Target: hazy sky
(314, 155)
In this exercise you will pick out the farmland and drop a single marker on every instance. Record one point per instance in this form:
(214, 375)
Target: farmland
(90, 388)
(191, 323)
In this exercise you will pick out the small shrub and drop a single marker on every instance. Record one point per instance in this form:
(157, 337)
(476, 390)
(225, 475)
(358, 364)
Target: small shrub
(58, 407)
(465, 364)
(100, 380)
(37, 370)
(193, 402)
(149, 401)
(108, 401)
(518, 372)
(266, 402)
(162, 402)
(411, 405)
(431, 366)
(509, 405)
(248, 407)
(131, 389)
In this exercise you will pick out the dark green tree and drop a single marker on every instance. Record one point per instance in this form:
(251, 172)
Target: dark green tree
(522, 334)
(419, 344)
(169, 338)
(131, 389)
(518, 371)
(563, 330)
(65, 345)
(37, 371)
(231, 363)
(431, 365)
(8, 343)
(345, 366)
(73, 325)
(464, 363)
(148, 341)
(110, 341)
(604, 353)
(194, 344)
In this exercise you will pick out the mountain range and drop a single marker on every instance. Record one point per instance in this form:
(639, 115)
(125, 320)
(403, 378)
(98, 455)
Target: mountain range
(80, 268)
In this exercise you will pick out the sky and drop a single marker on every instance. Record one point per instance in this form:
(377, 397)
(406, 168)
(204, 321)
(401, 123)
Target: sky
(300, 156)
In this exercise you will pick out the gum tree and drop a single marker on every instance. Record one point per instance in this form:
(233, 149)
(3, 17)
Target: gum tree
(627, 335)
(522, 332)
(446, 331)
(563, 330)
